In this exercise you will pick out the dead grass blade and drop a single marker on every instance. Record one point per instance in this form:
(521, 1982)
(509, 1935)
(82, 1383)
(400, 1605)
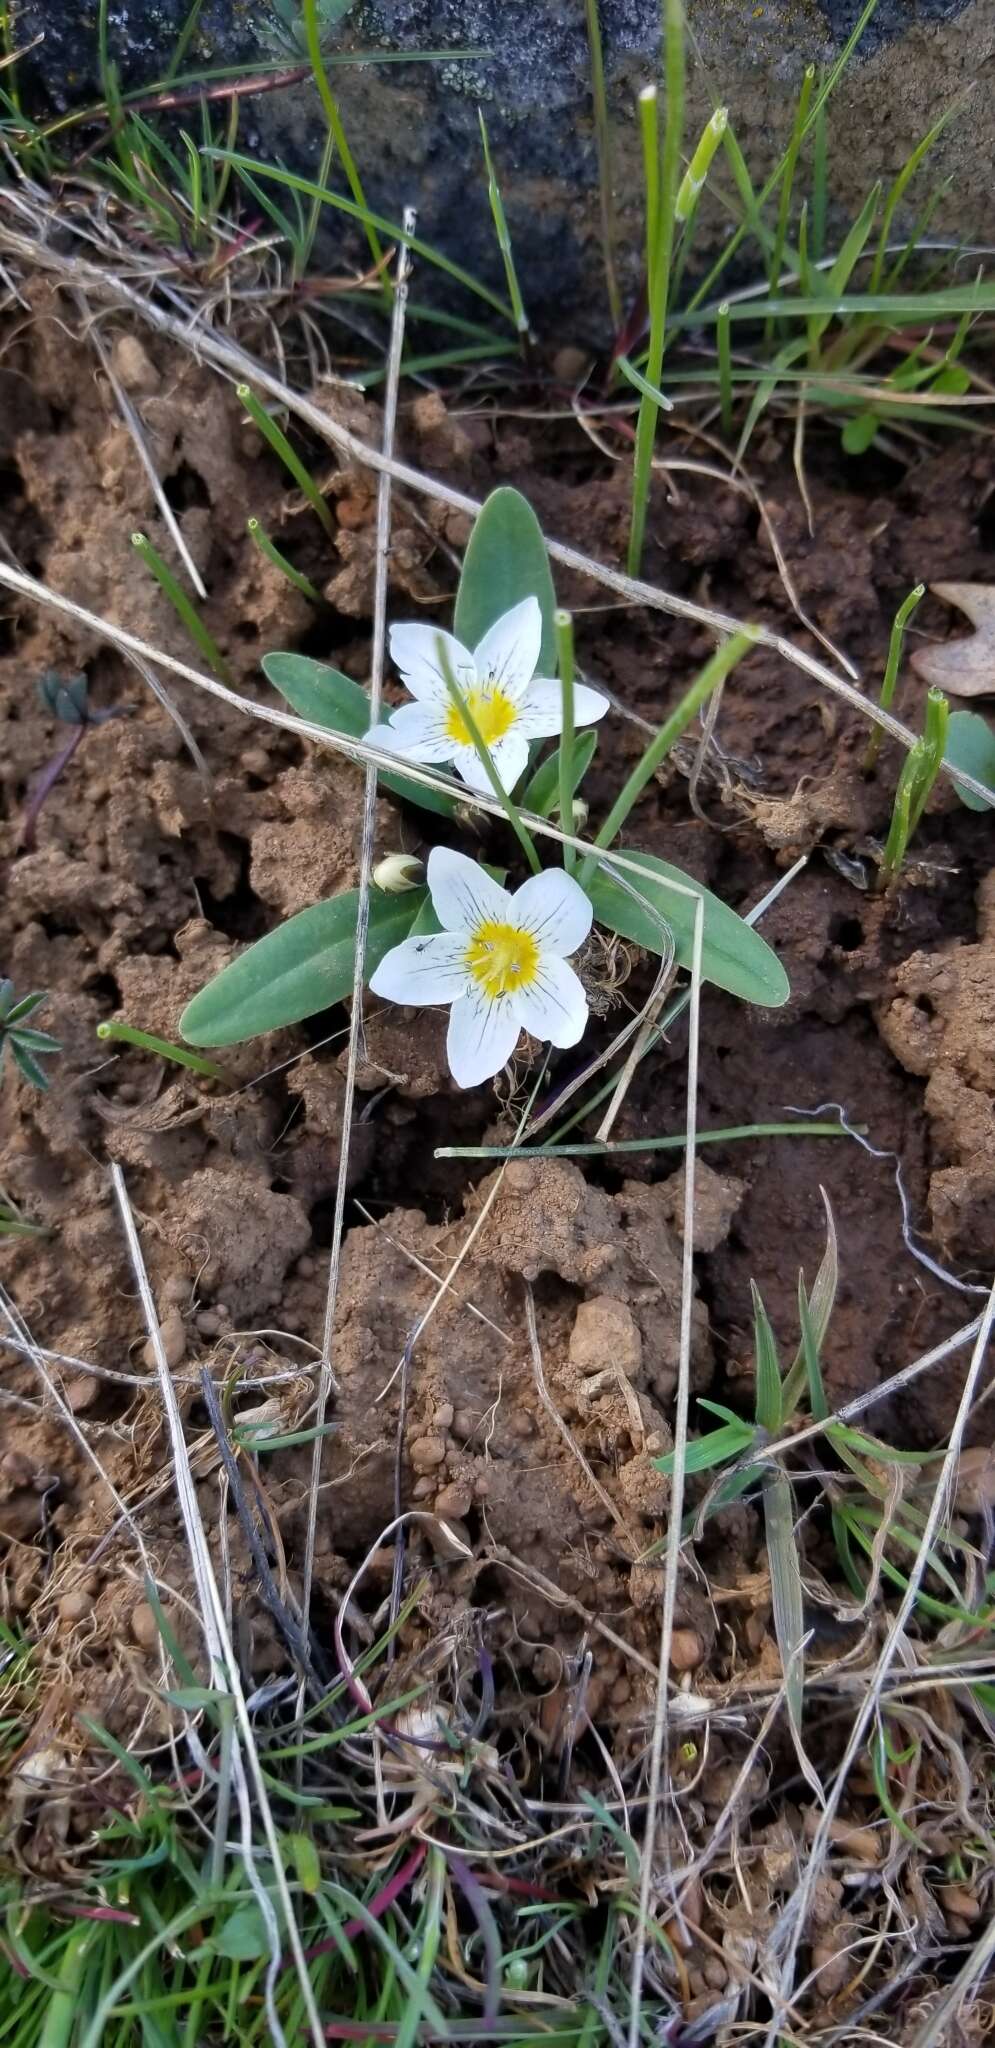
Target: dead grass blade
(356, 1040)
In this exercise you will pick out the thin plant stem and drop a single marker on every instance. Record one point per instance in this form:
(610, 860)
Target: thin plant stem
(302, 253)
(129, 1034)
(724, 350)
(659, 273)
(722, 662)
(291, 460)
(890, 677)
(563, 624)
(500, 220)
(462, 708)
(787, 184)
(606, 166)
(267, 547)
(182, 606)
(732, 1134)
(650, 136)
(334, 119)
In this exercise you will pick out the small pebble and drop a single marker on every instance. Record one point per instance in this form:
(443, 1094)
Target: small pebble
(423, 1487)
(443, 1417)
(569, 364)
(686, 1649)
(208, 1322)
(144, 1626)
(255, 761)
(81, 1393)
(454, 1501)
(175, 1292)
(427, 1451)
(172, 1330)
(75, 1606)
(134, 366)
(16, 1468)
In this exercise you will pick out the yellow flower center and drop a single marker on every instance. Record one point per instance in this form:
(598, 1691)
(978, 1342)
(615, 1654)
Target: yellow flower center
(501, 959)
(492, 712)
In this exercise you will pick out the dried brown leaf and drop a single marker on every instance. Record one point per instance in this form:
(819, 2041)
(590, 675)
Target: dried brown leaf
(964, 667)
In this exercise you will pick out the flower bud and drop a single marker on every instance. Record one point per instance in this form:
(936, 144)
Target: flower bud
(398, 872)
(581, 813)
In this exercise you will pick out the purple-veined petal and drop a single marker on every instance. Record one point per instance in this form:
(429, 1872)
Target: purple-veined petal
(414, 651)
(463, 895)
(483, 1033)
(428, 969)
(554, 908)
(540, 713)
(553, 1006)
(509, 650)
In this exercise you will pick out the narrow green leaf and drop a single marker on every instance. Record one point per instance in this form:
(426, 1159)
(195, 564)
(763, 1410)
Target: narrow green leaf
(542, 793)
(971, 746)
(505, 561)
(305, 965)
(734, 956)
(769, 1398)
(713, 1449)
(326, 697)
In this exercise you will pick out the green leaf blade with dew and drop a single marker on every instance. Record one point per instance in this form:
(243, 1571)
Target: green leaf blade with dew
(715, 1448)
(304, 966)
(505, 561)
(733, 957)
(327, 698)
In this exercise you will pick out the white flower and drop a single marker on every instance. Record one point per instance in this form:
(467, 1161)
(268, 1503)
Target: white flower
(499, 960)
(509, 704)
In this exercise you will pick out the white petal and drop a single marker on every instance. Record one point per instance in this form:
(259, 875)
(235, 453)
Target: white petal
(463, 894)
(509, 650)
(510, 757)
(554, 908)
(414, 650)
(540, 712)
(431, 969)
(416, 730)
(483, 1033)
(554, 1005)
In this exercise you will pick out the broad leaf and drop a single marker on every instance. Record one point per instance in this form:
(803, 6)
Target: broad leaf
(324, 696)
(542, 793)
(505, 561)
(971, 746)
(303, 966)
(733, 957)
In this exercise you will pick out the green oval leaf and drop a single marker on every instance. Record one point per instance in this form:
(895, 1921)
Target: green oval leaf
(303, 966)
(971, 746)
(542, 794)
(326, 697)
(734, 956)
(505, 561)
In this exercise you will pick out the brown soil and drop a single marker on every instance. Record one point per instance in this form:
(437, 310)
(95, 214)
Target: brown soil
(145, 879)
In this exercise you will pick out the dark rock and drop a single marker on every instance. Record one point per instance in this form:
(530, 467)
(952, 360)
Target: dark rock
(413, 126)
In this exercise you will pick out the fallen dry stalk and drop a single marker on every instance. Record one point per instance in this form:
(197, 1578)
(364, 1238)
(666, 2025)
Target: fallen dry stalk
(236, 363)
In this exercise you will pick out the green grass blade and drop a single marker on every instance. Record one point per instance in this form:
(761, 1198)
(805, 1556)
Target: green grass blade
(312, 34)
(501, 230)
(659, 278)
(769, 1399)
